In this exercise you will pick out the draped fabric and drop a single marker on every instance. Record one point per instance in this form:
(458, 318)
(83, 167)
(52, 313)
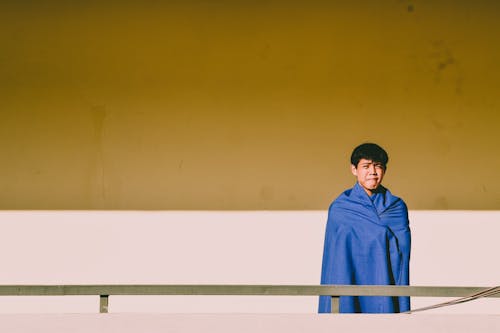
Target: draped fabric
(367, 242)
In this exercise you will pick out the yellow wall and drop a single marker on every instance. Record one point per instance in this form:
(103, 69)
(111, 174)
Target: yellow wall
(246, 105)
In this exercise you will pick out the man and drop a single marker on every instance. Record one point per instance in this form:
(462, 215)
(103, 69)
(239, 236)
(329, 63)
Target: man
(367, 238)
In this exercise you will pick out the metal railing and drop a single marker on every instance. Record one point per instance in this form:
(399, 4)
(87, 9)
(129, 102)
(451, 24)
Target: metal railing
(335, 291)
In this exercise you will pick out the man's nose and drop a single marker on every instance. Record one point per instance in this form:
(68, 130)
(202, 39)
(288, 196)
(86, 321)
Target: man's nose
(373, 170)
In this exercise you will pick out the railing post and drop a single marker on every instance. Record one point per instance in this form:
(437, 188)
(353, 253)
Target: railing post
(335, 304)
(103, 303)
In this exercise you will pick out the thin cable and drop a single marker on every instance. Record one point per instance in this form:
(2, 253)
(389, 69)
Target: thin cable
(485, 293)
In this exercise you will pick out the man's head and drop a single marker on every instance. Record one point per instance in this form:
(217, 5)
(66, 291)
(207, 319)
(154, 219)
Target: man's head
(368, 164)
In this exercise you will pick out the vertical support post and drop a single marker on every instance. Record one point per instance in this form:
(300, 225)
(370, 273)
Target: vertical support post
(103, 303)
(335, 304)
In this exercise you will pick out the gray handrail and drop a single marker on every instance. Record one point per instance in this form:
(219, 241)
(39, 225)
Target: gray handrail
(104, 291)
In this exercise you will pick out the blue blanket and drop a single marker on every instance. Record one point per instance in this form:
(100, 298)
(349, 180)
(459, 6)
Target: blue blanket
(367, 242)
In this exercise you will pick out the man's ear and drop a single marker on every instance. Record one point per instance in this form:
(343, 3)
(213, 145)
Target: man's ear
(353, 170)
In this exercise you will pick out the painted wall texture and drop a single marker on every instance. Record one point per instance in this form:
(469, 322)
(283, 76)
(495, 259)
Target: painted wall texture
(230, 105)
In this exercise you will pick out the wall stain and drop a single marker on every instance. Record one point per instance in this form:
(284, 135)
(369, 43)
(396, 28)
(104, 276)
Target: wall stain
(441, 140)
(443, 60)
(437, 124)
(441, 203)
(265, 52)
(266, 193)
(98, 113)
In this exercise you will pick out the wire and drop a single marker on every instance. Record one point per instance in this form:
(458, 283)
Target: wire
(485, 293)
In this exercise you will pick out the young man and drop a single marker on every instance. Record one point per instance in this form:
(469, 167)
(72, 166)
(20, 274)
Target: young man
(367, 238)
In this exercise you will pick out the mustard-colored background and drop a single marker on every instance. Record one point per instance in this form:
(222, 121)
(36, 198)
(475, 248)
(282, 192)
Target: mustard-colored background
(246, 105)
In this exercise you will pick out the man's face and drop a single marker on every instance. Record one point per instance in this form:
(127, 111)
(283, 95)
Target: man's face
(369, 174)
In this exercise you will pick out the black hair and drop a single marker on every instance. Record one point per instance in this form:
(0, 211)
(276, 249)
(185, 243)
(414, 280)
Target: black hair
(369, 151)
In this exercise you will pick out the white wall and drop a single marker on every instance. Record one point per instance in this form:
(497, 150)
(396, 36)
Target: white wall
(455, 248)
